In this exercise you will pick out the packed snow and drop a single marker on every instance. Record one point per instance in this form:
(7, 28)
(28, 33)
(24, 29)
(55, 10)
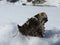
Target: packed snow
(11, 15)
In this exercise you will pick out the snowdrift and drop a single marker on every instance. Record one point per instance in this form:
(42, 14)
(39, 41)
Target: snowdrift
(7, 32)
(9, 35)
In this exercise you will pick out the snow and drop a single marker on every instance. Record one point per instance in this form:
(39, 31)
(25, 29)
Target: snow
(52, 2)
(11, 15)
(7, 32)
(9, 35)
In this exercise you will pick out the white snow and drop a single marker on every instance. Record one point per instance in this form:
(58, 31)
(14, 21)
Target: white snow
(11, 15)
(53, 2)
(9, 35)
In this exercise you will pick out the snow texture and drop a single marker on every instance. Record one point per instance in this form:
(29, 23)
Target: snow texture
(9, 35)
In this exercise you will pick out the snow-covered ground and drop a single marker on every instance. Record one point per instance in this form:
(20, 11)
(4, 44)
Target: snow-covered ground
(9, 35)
(11, 15)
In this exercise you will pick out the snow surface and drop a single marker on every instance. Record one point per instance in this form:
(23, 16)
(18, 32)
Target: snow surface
(11, 15)
(9, 35)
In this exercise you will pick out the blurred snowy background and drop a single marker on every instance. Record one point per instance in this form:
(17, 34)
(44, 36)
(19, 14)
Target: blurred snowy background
(11, 15)
(33, 2)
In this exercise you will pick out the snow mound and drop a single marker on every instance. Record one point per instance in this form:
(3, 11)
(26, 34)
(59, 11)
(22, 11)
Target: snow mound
(9, 35)
(7, 32)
